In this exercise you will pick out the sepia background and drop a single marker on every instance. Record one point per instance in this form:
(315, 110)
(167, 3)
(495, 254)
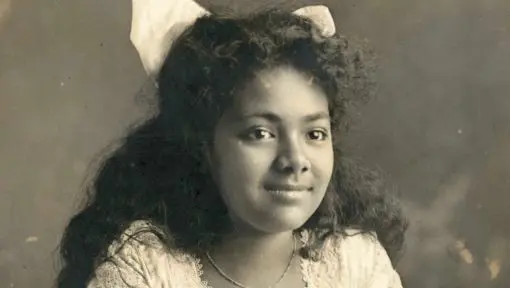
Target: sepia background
(439, 127)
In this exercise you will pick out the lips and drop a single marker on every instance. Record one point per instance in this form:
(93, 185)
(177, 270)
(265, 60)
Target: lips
(287, 194)
(287, 187)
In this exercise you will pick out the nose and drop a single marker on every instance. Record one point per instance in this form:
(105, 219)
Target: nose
(292, 159)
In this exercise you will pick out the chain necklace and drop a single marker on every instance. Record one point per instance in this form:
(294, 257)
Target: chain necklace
(240, 285)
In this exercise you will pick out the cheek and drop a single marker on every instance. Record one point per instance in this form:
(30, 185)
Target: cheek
(323, 165)
(240, 169)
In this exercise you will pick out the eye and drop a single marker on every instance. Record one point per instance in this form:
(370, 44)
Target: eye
(317, 135)
(259, 134)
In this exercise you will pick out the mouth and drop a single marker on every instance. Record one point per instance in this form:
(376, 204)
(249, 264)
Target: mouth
(288, 188)
(288, 194)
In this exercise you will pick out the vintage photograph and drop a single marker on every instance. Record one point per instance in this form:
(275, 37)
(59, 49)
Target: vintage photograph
(266, 144)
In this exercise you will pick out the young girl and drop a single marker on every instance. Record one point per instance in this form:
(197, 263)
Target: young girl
(239, 180)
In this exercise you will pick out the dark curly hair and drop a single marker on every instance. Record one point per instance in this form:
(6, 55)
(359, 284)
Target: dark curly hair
(158, 173)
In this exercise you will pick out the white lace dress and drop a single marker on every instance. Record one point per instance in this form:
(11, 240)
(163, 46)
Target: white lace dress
(356, 261)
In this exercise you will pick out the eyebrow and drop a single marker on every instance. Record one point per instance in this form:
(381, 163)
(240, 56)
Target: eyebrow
(272, 117)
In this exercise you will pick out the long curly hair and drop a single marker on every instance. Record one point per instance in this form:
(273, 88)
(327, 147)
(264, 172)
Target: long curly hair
(158, 173)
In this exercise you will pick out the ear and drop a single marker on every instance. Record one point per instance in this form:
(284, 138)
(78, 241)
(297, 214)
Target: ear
(321, 16)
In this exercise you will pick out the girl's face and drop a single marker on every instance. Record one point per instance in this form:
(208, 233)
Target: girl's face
(272, 156)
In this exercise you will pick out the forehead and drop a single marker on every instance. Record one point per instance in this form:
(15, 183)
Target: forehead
(283, 91)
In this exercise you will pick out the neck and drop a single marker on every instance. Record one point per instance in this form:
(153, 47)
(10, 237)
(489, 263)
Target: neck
(259, 252)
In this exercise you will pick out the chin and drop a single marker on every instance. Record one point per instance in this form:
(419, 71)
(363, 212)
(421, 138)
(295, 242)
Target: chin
(280, 223)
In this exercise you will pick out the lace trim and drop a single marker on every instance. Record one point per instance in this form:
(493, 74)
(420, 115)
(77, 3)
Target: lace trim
(329, 271)
(342, 264)
(199, 272)
(305, 263)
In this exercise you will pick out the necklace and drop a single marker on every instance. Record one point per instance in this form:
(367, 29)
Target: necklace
(240, 285)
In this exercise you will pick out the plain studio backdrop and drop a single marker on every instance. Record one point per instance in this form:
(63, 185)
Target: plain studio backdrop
(439, 128)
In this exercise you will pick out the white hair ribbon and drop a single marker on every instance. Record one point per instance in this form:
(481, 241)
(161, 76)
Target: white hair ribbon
(156, 24)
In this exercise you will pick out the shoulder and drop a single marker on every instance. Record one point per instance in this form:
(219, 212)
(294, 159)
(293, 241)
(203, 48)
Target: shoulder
(139, 237)
(124, 265)
(363, 259)
(354, 243)
(354, 249)
(357, 238)
(145, 239)
(141, 259)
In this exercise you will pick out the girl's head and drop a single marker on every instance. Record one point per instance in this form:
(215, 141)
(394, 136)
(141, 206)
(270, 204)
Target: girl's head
(258, 100)
(248, 135)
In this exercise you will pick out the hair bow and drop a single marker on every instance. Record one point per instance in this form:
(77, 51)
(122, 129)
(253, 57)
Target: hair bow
(156, 24)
